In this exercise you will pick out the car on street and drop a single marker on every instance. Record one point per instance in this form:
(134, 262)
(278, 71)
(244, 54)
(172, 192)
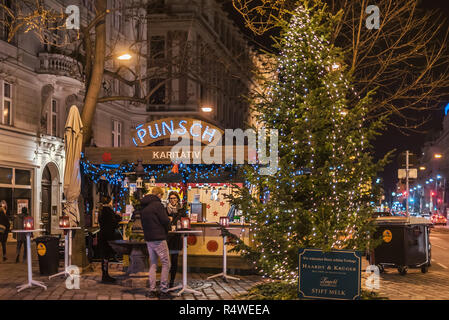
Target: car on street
(438, 219)
(425, 215)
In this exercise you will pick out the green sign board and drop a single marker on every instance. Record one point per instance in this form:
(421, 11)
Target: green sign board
(329, 275)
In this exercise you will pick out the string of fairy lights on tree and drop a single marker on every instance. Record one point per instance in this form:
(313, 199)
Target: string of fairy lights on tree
(330, 206)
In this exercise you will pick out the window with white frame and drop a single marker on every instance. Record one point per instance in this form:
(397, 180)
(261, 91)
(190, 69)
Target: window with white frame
(53, 125)
(6, 102)
(116, 133)
(117, 17)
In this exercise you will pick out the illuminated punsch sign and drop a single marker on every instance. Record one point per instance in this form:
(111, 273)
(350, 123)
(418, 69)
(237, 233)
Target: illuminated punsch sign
(147, 133)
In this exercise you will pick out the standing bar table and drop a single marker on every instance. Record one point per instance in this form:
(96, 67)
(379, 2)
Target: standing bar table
(224, 273)
(67, 251)
(31, 282)
(184, 287)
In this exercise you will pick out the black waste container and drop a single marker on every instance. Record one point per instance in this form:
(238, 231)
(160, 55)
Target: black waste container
(47, 252)
(405, 243)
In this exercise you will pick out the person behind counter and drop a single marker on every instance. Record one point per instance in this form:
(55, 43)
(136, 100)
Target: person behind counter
(109, 222)
(175, 213)
(155, 224)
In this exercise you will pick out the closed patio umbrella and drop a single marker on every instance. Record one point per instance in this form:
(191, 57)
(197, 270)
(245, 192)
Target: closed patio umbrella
(72, 177)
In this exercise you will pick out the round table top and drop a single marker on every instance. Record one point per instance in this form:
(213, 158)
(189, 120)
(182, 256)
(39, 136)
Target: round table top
(25, 231)
(128, 242)
(229, 228)
(186, 231)
(70, 228)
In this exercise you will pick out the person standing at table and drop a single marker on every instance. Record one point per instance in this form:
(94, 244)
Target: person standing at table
(175, 213)
(108, 222)
(155, 224)
(4, 227)
(20, 237)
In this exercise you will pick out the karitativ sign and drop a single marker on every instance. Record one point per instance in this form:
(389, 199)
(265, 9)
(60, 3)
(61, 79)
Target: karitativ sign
(329, 275)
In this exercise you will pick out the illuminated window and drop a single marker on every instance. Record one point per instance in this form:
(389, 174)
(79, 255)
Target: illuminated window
(116, 133)
(53, 125)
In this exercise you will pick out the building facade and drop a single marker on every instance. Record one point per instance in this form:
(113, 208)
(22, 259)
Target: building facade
(433, 173)
(194, 60)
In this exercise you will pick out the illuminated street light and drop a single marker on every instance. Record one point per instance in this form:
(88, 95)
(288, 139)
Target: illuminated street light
(125, 56)
(422, 168)
(206, 109)
(437, 155)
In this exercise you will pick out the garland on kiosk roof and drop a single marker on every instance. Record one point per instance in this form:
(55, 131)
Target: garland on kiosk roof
(116, 173)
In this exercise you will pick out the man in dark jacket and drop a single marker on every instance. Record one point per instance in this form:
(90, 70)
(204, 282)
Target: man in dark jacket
(155, 224)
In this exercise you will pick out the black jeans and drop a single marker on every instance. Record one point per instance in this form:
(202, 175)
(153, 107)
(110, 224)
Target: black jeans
(174, 266)
(3, 241)
(19, 245)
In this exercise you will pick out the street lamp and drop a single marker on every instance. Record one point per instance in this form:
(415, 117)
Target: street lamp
(124, 57)
(437, 155)
(422, 168)
(206, 109)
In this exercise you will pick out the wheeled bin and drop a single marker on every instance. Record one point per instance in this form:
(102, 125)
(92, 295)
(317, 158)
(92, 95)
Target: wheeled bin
(47, 252)
(405, 243)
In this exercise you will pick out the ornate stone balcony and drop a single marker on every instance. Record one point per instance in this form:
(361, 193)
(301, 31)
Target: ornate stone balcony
(59, 64)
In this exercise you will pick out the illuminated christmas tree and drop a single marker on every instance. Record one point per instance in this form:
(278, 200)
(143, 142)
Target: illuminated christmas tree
(322, 194)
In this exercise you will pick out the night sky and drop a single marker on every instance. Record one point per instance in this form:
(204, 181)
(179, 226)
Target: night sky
(394, 139)
(391, 138)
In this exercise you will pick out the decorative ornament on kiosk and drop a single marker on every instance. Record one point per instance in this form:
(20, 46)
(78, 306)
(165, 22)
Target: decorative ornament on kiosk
(152, 181)
(106, 157)
(139, 182)
(214, 194)
(126, 183)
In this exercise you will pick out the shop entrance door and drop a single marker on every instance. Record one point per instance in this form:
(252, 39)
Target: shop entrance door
(46, 201)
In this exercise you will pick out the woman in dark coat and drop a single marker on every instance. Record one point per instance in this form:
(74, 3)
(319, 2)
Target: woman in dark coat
(4, 220)
(108, 221)
(175, 213)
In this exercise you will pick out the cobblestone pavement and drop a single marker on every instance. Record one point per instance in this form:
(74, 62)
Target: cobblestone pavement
(416, 285)
(128, 288)
(433, 285)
